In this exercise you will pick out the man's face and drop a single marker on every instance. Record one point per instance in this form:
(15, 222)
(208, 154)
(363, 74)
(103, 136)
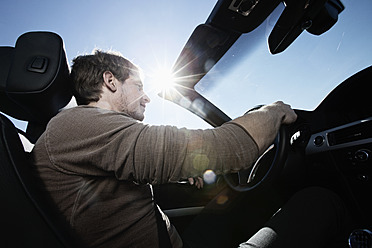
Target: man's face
(133, 99)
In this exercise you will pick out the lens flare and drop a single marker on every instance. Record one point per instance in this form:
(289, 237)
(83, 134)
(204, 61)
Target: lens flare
(209, 177)
(163, 80)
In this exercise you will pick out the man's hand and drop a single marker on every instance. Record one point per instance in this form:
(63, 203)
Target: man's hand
(289, 116)
(197, 181)
(263, 124)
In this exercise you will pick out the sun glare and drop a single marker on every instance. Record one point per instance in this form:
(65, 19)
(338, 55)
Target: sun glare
(163, 80)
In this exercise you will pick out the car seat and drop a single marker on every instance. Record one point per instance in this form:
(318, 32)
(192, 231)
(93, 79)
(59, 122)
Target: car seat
(34, 86)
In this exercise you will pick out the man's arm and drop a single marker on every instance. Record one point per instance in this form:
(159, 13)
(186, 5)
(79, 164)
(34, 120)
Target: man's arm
(263, 124)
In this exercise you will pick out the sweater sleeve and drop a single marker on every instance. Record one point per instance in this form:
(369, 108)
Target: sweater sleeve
(102, 143)
(168, 154)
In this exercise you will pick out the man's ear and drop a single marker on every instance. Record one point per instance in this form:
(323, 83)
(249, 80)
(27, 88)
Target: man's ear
(109, 80)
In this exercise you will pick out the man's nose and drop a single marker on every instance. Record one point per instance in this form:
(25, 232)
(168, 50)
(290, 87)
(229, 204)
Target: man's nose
(146, 98)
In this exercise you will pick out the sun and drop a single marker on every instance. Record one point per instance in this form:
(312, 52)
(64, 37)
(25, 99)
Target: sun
(163, 80)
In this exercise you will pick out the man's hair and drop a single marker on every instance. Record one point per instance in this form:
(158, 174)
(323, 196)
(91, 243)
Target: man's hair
(87, 73)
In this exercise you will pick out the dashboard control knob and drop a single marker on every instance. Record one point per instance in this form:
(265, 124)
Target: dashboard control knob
(361, 155)
(319, 140)
(363, 177)
(360, 238)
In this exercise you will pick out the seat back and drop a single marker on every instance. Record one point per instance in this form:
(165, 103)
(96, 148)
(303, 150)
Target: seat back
(34, 85)
(28, 219)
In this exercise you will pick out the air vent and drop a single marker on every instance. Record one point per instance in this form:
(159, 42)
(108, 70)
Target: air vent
(357, 132)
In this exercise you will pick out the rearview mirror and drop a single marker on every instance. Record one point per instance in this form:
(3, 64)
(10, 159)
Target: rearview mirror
(316, 17)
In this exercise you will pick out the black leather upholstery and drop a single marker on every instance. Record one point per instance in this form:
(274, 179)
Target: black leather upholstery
(34, 79)
(34, 85)
(28, 218)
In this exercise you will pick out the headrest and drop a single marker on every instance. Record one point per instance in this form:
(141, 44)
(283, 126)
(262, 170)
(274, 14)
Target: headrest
(34, 77)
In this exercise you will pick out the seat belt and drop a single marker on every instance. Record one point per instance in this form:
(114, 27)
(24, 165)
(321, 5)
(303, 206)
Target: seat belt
(163, 236)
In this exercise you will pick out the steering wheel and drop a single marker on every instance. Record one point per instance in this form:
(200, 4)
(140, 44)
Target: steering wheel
(266, 169)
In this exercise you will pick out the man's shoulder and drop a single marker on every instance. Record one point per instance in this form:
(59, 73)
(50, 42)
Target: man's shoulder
(87, 112)
(89, 117)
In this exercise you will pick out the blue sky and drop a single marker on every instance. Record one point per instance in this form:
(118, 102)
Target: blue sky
(152, 34)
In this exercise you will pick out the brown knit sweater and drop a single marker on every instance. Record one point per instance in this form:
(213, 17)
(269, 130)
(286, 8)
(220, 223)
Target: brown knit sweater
(98, 166)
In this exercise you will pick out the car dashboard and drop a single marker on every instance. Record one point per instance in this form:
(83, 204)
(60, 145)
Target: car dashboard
(336, 139)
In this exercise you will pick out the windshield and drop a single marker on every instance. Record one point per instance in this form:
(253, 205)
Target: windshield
(302, 75)
(152, 34)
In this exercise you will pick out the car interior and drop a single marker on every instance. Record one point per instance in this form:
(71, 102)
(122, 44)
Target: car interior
(330, 146)
(34, 87)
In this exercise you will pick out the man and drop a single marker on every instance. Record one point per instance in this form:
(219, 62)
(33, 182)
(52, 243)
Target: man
(98, 160)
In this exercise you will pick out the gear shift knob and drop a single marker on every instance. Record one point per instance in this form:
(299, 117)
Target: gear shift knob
(360, 238)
